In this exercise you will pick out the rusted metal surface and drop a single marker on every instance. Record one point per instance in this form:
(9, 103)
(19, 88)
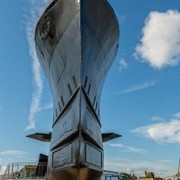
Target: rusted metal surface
(76, 42)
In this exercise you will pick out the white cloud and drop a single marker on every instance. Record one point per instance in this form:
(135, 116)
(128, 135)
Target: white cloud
(138, 87)
(116, 145)
(160, 43)
(122, 65)
(46, 107)
(157, 119)
(12, 153)
(164, 132)
(135, 150)
(37, 8)
(138, 167)
(128, 148)
(177, 115)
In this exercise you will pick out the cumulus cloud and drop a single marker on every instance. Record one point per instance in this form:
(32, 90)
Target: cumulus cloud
(36, 9)
(138, 87)
(164, 132)
(160, 42)
(128, 148)
(122, 65)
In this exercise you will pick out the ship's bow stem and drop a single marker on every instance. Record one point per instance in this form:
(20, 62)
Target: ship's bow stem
(76, 42)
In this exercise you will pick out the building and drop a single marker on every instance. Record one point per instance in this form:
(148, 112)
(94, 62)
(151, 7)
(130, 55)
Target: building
(172, 178)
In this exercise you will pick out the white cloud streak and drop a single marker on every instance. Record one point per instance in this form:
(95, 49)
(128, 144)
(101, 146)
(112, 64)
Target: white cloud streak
(160, 43)
(122, 65)
(128, 148)
(116, 145)
(135, 150)
(157, 119)
(138, 87)
(164, 132)
(12, 153)
(46, 107)
(36, 8)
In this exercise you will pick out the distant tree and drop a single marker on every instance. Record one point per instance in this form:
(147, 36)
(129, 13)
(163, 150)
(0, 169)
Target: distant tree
(178, 174)
(125, 176)
(133, 177)
(149, 174)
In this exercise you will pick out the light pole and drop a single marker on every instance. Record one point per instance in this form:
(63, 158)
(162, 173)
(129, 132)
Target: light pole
(179, 165)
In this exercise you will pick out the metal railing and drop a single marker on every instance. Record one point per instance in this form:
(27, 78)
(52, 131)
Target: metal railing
(25, 171)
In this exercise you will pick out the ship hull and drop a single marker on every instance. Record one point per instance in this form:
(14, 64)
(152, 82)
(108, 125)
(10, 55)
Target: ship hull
(76, 42)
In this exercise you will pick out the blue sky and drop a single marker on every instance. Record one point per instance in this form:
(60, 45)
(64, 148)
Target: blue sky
(140, 99)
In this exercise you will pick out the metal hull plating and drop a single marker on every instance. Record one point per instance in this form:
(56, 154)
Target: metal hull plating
(76, 42)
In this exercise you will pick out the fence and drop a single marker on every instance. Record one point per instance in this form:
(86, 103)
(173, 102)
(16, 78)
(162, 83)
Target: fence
(25, 171)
